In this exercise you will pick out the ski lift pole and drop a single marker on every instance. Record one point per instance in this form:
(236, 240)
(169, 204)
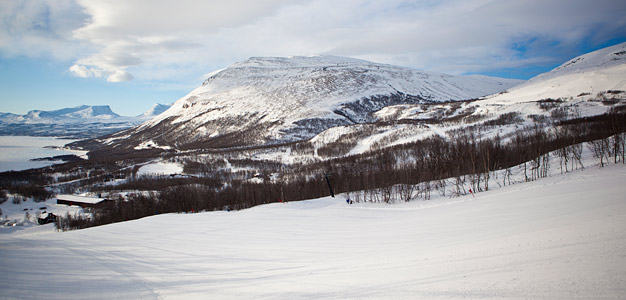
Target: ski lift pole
(330, 188)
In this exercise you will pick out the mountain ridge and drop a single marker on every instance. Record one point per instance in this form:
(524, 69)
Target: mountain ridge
(266, 100)
(78, 112)
(155, 110)
(586, 75)
(83, 121)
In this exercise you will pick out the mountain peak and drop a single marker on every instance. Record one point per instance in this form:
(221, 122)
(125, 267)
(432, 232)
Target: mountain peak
(101, 110)
(155, 110)
(599, 59)
(82, 111)
(265, 100)
(588, 74)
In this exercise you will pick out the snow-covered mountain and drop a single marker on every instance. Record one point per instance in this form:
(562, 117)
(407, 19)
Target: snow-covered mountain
(73, 114)
(272, 99)
(587, 75)
(80, 114)
(585, 86)
(77, 122)
(155, 110)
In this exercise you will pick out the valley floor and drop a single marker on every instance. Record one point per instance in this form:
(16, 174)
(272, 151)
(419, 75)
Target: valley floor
(562, 237)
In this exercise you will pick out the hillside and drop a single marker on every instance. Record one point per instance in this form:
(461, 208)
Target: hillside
(581, 77)
(275, 100)
(154, 111)
(590, 85)
(562, 237)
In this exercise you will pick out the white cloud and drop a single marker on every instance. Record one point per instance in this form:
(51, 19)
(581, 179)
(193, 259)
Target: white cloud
(119, 76)
(40, 28)
(177, 41)
(112, 75)
(85, 72)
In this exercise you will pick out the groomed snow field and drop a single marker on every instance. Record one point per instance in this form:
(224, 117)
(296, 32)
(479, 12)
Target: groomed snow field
(563, 237)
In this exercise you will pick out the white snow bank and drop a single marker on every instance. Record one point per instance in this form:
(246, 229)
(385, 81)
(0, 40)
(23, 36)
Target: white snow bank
(151, 145)
(160, 168)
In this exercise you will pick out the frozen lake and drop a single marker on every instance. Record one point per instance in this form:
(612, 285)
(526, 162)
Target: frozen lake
(16, 151)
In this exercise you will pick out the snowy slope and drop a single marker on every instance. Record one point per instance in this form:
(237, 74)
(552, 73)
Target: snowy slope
(589, 74)
(282, 99)
(588, 85)
(154, 111)
(563, 237)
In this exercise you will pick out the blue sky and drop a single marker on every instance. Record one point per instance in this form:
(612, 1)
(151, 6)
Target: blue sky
(132, 54)
(36, 83)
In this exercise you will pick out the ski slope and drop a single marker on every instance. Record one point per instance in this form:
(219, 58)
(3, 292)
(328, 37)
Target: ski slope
(563, 237)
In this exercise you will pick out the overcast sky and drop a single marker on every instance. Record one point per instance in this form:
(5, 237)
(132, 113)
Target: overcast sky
(132, 53)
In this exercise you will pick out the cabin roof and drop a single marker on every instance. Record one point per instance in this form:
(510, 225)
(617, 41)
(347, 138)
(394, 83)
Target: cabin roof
(80, 199)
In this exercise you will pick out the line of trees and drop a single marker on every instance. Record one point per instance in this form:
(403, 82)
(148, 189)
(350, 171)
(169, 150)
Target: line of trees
(29, 184)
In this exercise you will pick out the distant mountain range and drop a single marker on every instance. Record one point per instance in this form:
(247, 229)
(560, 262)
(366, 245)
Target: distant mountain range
(75, 122)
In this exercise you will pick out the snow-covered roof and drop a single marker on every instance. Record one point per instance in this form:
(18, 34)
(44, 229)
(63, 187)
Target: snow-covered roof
(80, 199)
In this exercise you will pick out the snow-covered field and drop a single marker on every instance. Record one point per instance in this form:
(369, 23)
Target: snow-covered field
(563, 237)
(16, 151)
(17, 214)
(160, 168)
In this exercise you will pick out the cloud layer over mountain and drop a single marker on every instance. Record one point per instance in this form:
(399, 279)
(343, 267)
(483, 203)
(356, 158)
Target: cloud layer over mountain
(175, 40)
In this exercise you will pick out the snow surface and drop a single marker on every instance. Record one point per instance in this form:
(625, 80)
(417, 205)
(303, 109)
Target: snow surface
(160, 168)
(81, 199)
(147, 145)
(563, 237)
(16, 213)
(155, 110)
(594, 72)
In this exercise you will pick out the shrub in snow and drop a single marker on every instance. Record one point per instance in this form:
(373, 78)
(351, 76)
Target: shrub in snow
(3, 196)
